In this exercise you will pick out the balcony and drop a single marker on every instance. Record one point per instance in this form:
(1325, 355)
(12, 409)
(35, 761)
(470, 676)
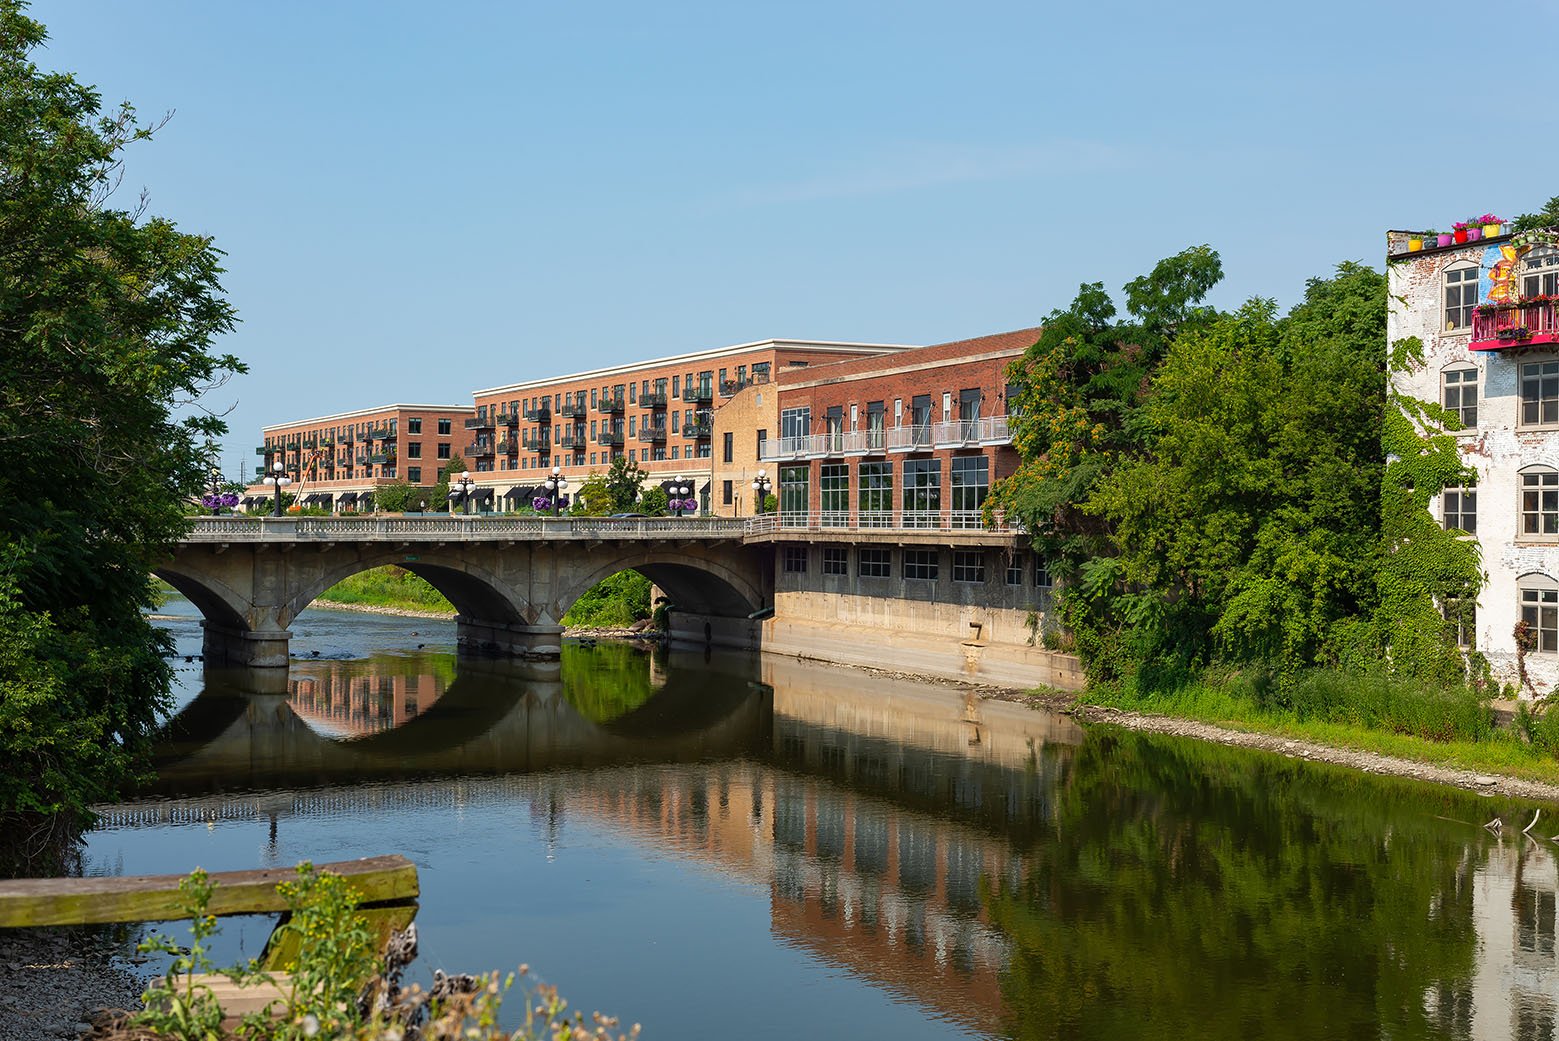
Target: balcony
(508, 446)
(914, 438)
(572, 438)
(377, 432)
(482, 422)
(262, 450)
(382, 459)
(539, 414)
(655, 399)
(703, 394)
(479, 449)
(1497, 326)
(612, 406)
(508, 418)
(970, 433)
(610, 437)
(540, 444)
(653, 435)
(572, 410)
(699, 430)
(729, 388)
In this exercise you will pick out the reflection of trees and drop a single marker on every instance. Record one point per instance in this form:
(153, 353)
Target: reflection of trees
(1197, 891)
(605, 681)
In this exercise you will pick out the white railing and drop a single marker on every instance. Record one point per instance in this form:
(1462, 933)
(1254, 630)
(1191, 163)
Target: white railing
(957, 433)
(458, 527)
(881, 520)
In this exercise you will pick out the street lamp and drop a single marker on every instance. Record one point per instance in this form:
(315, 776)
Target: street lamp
(215, 477)
(760, 488)
(465, 484)
(278, 480)
(679, 492)
(556, 485)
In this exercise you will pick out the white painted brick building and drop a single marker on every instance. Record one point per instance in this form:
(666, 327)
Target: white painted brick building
(1492, 353)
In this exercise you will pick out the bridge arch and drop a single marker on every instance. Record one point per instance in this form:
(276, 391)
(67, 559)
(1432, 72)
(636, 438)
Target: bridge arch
(217, 602)
(696, 584)
(474, 590)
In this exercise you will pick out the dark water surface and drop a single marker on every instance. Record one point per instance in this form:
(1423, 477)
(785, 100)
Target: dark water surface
(776, 849)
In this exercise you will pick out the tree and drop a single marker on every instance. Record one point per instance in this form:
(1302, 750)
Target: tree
(398, 496)
(624, 484)
(108, 319)
(439, 497)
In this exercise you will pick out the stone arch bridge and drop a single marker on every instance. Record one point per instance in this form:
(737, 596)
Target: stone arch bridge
(511, 579)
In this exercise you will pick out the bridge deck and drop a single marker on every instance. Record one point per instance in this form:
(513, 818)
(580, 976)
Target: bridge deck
(460, 528)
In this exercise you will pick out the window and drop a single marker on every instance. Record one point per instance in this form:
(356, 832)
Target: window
(1042, 572)
(444, 425)
(833, 485)
(414, 425)
(794, 497)
(1540, 612)
(922, 492)
(705, 451)
(443, 448)
(414, 474)
(1460, 509)
(876, 563)
(836, 560)
(1015, 571)
(727, 491)
(727, 446)
(1461, 617)
(795, 425)
(874, 426)
(920, 563)
(1539, 503)
(971, 480)
(968, 565)
(876, 502)
(763, 441)
(1459, 395)
(795, 560)
(1540, 273)
(1461, 296)
(1539, 393)
(414, 450)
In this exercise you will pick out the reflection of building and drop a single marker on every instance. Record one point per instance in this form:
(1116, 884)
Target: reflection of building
(1513, 988)
(345, 699)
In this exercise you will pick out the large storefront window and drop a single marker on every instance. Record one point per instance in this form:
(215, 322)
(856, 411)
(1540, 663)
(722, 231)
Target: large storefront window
(922, 492)
(833, 486)
(971, 481)
(876, 505)
(793, 494)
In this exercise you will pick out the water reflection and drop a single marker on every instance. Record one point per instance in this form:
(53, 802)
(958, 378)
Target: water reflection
(996, 870)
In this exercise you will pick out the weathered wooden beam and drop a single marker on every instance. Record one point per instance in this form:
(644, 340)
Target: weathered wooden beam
(28, 902)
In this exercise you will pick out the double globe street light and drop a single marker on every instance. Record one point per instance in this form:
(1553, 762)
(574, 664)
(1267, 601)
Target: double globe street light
(464, 484)
(556, 485)
(760, 489)
(278, 480)
(680, 490)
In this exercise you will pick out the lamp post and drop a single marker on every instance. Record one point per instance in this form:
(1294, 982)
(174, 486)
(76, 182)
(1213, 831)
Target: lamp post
(760, 488)
(679, 491)
(465, 484)
(215, 477)
(278, 480)
(555, 485)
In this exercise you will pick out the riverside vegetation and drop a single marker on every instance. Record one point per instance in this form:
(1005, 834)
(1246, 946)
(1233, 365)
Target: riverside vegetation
(1236, 506)
(614, 602)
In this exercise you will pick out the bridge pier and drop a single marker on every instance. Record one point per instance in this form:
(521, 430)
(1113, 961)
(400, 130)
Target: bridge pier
(509, 639)
(708, 630)
(265, 649)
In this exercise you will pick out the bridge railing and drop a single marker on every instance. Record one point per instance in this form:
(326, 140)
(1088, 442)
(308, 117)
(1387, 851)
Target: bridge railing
(877, 521)
(460, 527)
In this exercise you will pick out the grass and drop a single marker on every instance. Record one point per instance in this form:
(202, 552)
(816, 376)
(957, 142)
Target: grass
(1445, 727)
(391, 587)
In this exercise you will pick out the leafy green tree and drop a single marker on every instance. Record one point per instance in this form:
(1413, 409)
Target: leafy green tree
(654, 502)
(108, 319)
(624, 483)
(592, 498)
(399, 497)
(438, 498)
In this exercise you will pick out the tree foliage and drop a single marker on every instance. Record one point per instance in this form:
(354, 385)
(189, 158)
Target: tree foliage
(108, 318)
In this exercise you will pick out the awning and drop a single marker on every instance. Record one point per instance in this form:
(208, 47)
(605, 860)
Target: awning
(519, 492)
(483, 495)
(346, 497)
(247, 500)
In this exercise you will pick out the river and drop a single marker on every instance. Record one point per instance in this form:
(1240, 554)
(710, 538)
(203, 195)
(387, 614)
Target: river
(712, 844)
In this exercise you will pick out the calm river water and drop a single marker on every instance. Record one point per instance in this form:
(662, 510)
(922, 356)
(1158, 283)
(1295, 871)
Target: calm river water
(778, 849)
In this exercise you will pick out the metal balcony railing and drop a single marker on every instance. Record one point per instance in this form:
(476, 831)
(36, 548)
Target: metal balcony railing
(610, 437)
(572, 439)
(482, 422)
(729, 388)
(652, 435)
(508, 418)
(537, 444)
(698, 431)
(479, 449)
(540, 414)
(655, 399)
(703, 394)
(612, 406)
(509, 446)
(1514, 325)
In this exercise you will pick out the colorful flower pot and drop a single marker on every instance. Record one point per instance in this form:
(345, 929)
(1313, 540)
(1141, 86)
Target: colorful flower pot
(1474, 234)
(1443, 240)
(1414, 245)
(1491, 230)
(1460, 234)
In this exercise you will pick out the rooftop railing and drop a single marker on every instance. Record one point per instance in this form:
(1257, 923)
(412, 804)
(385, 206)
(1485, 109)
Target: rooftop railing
(1514, 325)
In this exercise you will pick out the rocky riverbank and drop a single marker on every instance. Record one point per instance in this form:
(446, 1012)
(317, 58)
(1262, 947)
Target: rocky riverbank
(53, 980)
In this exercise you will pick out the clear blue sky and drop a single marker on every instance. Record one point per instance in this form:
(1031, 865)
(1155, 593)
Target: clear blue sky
(421, 199)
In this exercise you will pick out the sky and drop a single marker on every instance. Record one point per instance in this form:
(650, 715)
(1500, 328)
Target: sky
(419, 200)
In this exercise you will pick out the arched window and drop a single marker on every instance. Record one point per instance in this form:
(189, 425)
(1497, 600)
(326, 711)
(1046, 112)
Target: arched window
(1539, 504)
(1461, 296)
(1459, 394)
(1540, 272)
(1540, 611)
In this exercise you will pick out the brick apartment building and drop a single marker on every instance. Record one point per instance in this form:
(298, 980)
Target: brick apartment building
(659, 414)
(337, 462)
(913, 440)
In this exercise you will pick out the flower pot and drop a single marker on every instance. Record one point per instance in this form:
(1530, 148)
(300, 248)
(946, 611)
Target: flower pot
(1442, 240)
(1474, 234)
(1491, 230)
(1414, 245)
(1459, 235)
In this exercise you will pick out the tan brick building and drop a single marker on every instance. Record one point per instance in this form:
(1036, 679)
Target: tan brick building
(337, 462)
(658, 413)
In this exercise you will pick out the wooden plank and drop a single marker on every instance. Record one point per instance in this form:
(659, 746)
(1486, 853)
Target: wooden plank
(239, 1001)
(28, 902)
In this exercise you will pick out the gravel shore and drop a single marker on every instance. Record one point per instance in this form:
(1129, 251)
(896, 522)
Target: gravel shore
(53, 980)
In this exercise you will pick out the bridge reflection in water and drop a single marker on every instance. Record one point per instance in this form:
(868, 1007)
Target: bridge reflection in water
(983, 861)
